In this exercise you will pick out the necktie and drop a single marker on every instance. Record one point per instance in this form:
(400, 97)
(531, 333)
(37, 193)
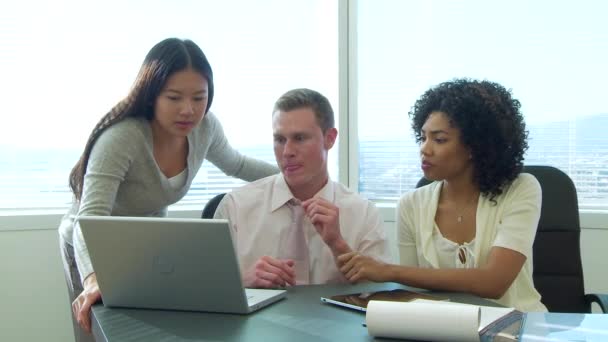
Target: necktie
(296, 247)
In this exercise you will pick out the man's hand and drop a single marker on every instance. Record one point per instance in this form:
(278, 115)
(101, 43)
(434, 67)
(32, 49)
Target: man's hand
(325, 217)
(81, 306)
(356, 267)
(269, 272)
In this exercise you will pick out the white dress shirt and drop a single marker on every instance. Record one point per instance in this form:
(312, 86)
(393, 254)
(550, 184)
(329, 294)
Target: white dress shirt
(260, 217)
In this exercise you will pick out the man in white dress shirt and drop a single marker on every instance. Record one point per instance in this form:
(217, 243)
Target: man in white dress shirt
(278, 248)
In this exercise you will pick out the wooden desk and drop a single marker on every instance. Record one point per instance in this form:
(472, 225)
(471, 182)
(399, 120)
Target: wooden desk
(299, 317)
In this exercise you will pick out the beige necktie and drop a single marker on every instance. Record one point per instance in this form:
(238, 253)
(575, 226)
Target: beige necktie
(296, 247)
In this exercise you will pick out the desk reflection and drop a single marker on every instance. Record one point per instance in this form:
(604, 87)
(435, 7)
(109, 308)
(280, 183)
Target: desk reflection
(565, 327)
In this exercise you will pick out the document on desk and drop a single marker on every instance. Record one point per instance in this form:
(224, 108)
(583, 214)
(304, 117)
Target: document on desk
(433, 320)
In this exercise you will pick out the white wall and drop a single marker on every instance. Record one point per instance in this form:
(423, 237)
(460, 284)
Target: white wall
(33, 295)
(594, 244)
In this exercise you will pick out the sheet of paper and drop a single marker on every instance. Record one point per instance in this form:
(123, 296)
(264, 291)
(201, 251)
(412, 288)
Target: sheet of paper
(488, 313)
(419, 320)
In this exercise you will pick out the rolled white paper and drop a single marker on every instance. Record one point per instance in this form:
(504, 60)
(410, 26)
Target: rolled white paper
(423, 321)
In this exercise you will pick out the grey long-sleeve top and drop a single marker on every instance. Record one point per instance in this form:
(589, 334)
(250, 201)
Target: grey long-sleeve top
(123, 178)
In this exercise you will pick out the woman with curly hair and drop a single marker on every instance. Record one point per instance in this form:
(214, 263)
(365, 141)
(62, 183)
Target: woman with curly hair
(472, 229)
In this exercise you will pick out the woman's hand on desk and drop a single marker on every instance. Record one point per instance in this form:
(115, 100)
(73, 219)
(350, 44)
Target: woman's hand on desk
(356, 267)
(269, 272)
(81, 307)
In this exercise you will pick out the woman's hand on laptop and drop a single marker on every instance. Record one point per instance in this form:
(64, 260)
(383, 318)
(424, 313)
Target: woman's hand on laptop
(269, 272)
(81, 307)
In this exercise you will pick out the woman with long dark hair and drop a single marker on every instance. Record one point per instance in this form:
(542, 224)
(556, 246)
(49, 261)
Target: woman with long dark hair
(143, 155)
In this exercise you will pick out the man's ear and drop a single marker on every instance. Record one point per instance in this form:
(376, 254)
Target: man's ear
(330, 138)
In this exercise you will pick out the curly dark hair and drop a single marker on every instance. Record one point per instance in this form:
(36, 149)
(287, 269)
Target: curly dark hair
(491, 126)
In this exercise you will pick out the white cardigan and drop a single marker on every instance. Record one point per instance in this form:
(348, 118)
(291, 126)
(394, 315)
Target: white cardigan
(510, 223)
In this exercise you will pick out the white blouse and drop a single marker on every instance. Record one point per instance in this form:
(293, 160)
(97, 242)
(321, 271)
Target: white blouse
(509, 221)
(452, 255)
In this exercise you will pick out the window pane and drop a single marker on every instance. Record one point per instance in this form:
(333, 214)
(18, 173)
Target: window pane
(65, 63)
(552, 54)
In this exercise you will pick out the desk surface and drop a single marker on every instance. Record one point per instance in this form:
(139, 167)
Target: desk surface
(564, 327)
(299, 317)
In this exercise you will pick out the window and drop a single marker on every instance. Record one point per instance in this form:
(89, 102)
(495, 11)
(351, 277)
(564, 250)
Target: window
(59, 80)
(551, 54)
(64, 64)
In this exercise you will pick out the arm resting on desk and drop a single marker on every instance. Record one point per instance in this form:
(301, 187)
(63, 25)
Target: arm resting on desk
(600, 299)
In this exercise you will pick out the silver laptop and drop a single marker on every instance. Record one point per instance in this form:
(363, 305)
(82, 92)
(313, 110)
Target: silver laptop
(168, 263)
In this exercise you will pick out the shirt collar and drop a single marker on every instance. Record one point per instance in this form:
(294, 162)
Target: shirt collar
(281, 193)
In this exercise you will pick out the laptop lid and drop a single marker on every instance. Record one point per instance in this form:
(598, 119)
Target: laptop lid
(168, 263)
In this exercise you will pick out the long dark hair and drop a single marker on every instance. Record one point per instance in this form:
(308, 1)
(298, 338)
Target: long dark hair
(165, 58)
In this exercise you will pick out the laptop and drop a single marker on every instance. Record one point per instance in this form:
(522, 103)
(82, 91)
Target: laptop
(169, 263)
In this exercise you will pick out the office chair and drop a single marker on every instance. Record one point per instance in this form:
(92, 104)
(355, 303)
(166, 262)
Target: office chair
(558, 270)
(209, 209)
